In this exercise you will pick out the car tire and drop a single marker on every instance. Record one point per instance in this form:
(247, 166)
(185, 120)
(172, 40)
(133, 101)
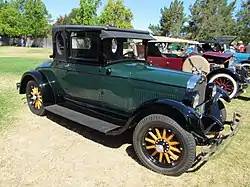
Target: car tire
(227, 84)
(247, 67)
(34, 98)
(169, 157)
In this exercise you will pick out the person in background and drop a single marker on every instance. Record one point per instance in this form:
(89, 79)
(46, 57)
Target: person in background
(248, 48)
(241, 47)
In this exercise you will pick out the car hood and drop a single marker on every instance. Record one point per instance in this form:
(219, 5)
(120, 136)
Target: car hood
(142, 72)
(217, 54)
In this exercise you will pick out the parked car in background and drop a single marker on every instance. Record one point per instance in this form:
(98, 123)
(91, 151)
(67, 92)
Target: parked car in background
(90, 80)
(193, 59)
(241, 59)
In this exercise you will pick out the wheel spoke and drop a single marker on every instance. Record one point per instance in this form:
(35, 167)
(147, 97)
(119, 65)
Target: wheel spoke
(150, 140)
(160, 157)
(153, 136)
(164, 134)
(175, 149)
(154, 153)
(175, 157)
(170, 137)
(158, 133)
(150, 147)
(174, 143)
(167, 158)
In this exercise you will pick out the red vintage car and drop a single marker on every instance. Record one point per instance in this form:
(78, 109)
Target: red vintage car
(164, 53)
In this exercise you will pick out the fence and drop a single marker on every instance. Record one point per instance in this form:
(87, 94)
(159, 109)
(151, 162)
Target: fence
(36, 42)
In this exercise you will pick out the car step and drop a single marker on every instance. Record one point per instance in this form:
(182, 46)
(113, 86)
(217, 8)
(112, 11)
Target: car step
(82, 119)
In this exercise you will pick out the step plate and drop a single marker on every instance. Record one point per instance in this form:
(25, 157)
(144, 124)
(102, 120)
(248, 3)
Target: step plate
(83, 119)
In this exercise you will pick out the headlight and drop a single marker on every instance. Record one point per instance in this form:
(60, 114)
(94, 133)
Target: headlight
(196, 100)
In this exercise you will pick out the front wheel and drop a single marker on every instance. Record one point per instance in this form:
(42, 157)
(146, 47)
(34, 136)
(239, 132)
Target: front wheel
(226, 82)
(163, 146)
(34, 98)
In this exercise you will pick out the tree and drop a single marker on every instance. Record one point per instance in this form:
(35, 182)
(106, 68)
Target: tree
(156, 29)
(9, 20)
(243, 21)
(35, 18)
(87, 12)
(211, 18)
(117, 14)
(67, 18)
(172, 20)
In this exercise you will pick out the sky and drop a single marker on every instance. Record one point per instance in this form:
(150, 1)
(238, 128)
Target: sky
(145, 11)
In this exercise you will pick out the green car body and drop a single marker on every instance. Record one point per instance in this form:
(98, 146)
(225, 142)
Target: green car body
(111, 92)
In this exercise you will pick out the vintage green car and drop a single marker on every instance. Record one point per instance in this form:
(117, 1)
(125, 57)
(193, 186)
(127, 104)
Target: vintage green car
(92, 81)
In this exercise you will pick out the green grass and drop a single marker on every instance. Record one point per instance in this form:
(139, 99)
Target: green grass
(11, 70)
(17, 66)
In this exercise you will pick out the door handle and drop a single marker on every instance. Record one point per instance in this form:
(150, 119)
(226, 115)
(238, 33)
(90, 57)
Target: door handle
(108, 71)
(67, 66)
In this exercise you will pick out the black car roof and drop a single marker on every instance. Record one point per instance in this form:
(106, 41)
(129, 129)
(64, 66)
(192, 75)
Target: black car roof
(107, 32)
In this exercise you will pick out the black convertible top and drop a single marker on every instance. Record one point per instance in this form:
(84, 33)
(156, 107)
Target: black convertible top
(106, 32)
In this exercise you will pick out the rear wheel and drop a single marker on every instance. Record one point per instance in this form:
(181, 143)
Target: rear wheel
(247, 67)
(163, 146)
(34, 98)
(226, 82)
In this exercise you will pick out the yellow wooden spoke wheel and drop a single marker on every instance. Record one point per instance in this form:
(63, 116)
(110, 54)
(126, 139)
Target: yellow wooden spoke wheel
(163, 145)
(35, 98)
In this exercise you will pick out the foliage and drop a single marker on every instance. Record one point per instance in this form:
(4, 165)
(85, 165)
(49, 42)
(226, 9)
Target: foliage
(67, 18)
(243, 21)
(155, 29)
(87, 12)
(211, 18)
(24, 18)
(10, 20)
(172, 20)
(117, 14)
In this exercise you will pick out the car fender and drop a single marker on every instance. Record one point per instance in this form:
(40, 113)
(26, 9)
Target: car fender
(41, 80)
(184, 115)
(228, 71)
(245, 62)
(221, 93)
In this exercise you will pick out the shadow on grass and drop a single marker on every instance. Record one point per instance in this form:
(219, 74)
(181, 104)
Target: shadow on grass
(198, 163)
(243, 98)
(96, 136)
(110, 141)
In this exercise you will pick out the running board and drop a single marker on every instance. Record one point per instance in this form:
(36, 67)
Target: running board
(82, 119)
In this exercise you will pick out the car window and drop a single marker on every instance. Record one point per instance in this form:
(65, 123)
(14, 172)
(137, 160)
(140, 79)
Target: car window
(85, 45)
(60, 43)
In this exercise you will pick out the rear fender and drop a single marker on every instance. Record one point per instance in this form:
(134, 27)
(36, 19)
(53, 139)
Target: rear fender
(47, 93)
(182, 114)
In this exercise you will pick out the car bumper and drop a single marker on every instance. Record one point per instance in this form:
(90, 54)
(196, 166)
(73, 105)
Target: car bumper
(218, 145)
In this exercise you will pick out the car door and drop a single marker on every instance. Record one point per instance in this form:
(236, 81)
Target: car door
(83, 78)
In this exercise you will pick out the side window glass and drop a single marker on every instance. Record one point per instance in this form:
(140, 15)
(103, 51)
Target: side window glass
(85, 45)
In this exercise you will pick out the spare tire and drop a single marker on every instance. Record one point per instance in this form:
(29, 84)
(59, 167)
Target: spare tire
(194, 63)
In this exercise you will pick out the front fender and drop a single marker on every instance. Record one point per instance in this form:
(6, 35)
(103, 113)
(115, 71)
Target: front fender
(47, 93)
(221, 93)
(228, 71)
(184, 115)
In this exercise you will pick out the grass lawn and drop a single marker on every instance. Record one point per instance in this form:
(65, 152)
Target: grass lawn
(11, 70)
(231, 168)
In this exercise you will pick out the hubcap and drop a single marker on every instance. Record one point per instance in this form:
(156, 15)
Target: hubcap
(36, 98)
(163, 146)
